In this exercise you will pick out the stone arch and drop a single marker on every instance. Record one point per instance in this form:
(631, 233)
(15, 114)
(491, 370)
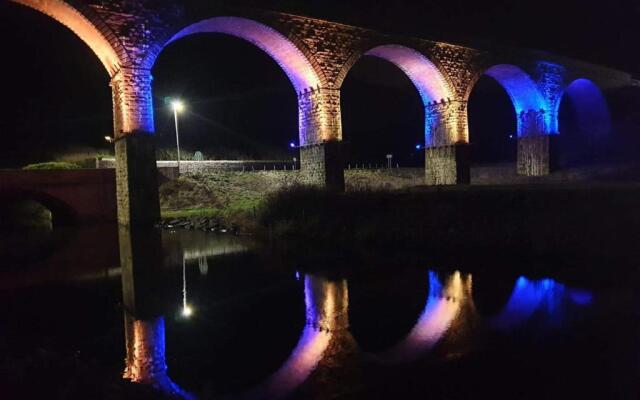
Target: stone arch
(62, 214)
(291, 58)
(590, 104)
(584, 123)
(524, 94)
(427, 78)
(79, 24)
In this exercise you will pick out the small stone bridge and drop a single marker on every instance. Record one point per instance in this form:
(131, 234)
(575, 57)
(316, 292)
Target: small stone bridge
(72, 196)
(127, 36)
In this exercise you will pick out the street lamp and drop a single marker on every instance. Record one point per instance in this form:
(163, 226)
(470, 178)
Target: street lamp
(177, 107)
(109, 139)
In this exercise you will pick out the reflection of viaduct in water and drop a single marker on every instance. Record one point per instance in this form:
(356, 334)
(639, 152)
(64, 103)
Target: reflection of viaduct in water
(444, 305)
(317, 55)
(324, 336)
(529, 297)
(143, 303)
(326, 341)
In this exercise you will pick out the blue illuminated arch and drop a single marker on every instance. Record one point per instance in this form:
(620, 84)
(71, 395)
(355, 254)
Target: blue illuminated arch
(524, 93)
(591, 107)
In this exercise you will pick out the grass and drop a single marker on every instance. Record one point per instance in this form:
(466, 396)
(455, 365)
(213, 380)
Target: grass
(239, 197)
(190, 213)
(54, 165)
(542, 220)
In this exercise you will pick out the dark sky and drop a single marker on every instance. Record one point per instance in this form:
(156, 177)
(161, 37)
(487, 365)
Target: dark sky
(57, 97)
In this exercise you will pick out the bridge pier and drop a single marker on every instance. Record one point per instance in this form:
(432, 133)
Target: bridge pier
(322, 165)
(447, 160)
(447, 165)
(136, 171)
(536, 155)
(535, 145)
(321, 153)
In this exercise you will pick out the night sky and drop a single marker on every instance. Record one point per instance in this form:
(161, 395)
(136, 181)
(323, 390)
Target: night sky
(57, 98)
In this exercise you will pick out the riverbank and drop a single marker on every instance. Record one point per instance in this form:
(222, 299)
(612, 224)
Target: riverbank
(545, 221)
(232, 201)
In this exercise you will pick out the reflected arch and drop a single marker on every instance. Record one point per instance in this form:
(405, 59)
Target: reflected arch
(445, 303)
(79, 24)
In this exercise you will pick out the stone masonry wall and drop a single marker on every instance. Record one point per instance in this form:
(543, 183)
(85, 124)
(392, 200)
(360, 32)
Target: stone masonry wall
(319, 116)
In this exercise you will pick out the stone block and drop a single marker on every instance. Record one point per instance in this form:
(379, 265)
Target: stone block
(447, 165)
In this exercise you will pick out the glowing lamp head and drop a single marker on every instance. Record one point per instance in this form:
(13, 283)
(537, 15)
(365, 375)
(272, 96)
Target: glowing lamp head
(418, 147)
(292, 145)
(108, 139)
(177, 106)
(187, 311)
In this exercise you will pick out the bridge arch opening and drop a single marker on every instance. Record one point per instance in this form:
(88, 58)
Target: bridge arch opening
(381, 112)
(79, 24)
(33, 210)
(499, 109)
(214, 67)
(585, 124)
(44, 118)
(492, 124)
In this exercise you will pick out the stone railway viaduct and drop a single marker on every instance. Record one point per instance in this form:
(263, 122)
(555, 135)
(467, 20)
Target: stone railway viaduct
(127, 36)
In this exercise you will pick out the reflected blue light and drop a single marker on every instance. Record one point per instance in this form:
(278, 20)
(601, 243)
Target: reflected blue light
(529, 297)
(297, 275)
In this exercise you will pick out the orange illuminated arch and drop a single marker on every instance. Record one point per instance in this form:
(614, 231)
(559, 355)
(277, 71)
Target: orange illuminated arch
(73, 19)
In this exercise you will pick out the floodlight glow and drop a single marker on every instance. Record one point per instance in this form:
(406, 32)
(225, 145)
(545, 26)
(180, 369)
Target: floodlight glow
(109, 139)
(418, 147)
(177, 105)
(292, 145)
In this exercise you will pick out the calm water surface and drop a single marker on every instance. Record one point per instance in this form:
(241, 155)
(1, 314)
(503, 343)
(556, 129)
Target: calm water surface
(208, 316)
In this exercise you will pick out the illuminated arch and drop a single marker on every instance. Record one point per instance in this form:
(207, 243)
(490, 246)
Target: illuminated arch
(291, 59)
(73, 19)
(523, 92)
(590, 105)
(424, 74)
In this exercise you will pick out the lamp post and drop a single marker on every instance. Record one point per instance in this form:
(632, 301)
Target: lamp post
(177, 107)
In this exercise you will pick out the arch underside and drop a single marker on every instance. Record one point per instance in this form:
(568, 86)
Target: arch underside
(531, 108)
(593, 115)
(425, 76)
(290, 58)
(81, 26)
(430, 84)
